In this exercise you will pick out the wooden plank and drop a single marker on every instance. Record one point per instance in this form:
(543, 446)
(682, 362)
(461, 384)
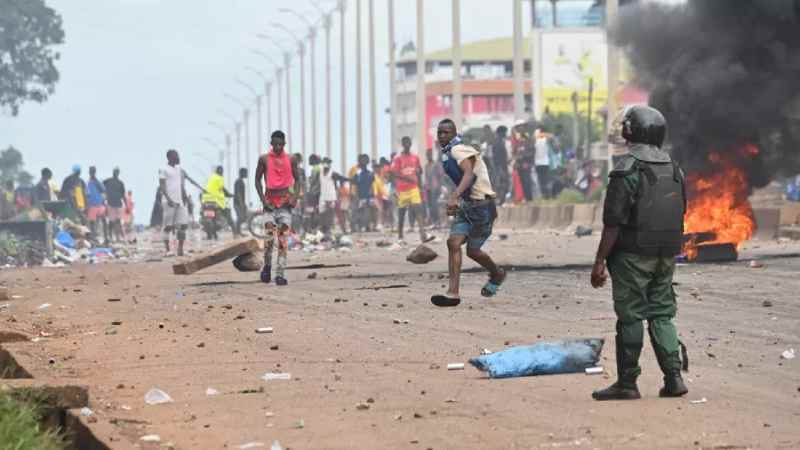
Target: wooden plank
(216, 256)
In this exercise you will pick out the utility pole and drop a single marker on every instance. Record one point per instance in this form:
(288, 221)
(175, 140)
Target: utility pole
(312, 35)
(268, 96)
(359, 101)
(373, 114)
(246, 139)
(519, 98)
(458, 97)
(422, 127)
(343, 115)
(229, 157)
(287, 59)
(392, 80)
(612, 11)
(301, 51)
(238, 144)
(327, 24)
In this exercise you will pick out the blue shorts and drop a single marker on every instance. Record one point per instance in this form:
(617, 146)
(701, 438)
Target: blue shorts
(474, 220)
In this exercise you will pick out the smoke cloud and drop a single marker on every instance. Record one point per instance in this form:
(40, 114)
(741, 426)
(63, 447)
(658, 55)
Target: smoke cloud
(724, 73)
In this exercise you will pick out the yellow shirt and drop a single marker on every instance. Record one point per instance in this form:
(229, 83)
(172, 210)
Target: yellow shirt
(215, 191)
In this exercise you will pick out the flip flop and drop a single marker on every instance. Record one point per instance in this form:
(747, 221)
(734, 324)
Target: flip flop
(490, 288)
(444, 301)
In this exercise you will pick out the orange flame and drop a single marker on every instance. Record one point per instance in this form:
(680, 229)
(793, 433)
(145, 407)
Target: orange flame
(718, 201)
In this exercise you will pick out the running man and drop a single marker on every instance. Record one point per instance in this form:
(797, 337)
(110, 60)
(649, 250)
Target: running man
(275, 167)
(472, 204)
(174, 201)
(407, 176)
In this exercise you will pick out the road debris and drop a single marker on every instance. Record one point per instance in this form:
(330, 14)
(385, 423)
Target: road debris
(455, 366)
(44, 306)
(216, 256)
(756, 264)
(150, 438)
(594, 370)
(252, 445)
(264, 330)
(211, 391)
(362, 406)
(269, 376)
(766, 304)
(421, 255)
(544, 358)
(700, 401)
(276, 446)
(86, 412)
(156, 396)
(788, 354)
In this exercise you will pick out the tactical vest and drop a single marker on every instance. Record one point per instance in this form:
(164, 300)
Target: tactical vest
(655, 225)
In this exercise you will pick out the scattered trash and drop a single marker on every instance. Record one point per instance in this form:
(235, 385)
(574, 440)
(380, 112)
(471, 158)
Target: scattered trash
(269, 376)
(300, 424)
(755, 264)
(252, 445)
(114, 300)
(264, 330)
(312, 276)
(594, 370)
(156, 397)
(276, 446)
(394, 247)
(44, 306)
(486, 351)
(697, 402)
(421, 255)
(345, 241)
(544, 358)
(211, 391)
(582, 231)
(788, 354)
(399, 321)
(455, 366)
(150, 438)
(362, 406)
(766, 304)
(86, 412)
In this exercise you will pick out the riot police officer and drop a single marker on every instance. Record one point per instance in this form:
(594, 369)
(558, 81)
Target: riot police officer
(642, 234)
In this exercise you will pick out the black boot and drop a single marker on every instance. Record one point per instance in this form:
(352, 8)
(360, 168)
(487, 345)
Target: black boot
(673, 386)
(618, 391)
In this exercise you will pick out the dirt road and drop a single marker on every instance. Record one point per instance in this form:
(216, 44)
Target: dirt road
(336, 335)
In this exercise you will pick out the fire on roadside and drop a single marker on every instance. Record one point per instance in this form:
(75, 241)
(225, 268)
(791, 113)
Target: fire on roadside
(718, 206)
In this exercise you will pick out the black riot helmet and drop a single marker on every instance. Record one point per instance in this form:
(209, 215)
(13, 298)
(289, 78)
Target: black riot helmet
(643, 125)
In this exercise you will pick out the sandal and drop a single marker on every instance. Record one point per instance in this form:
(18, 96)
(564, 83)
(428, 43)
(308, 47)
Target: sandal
(490, 288)
(444, 301)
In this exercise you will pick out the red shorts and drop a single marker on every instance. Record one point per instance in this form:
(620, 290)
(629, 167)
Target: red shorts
(95, 212)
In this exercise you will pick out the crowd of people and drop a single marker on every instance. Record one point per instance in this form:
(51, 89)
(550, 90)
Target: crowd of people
(105, 206)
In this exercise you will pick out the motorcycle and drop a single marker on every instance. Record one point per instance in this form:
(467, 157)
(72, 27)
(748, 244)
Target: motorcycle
(211, 220)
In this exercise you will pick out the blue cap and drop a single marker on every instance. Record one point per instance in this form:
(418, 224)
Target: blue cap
(76, 168)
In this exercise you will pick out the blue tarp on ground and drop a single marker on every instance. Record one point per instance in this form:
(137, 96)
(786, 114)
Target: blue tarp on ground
(544, 358)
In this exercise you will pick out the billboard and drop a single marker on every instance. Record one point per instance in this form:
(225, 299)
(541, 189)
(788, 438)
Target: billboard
(569, 61)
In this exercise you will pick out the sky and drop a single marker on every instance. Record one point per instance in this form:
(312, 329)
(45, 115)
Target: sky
(141, 76)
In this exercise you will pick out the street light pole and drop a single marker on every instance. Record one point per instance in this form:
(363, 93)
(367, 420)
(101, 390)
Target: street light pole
(258, 129)
(392, 80)
(373, 114)
(359, 101)
(517, 67)
(422, 128)
(343, 89)
(458, 98)
(328, 85)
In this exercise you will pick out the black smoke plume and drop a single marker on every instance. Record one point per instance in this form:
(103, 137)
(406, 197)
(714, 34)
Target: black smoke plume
(724, 73)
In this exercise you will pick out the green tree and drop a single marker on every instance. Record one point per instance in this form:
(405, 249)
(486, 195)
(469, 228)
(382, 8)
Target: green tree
(29, 30)
(10, 164)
